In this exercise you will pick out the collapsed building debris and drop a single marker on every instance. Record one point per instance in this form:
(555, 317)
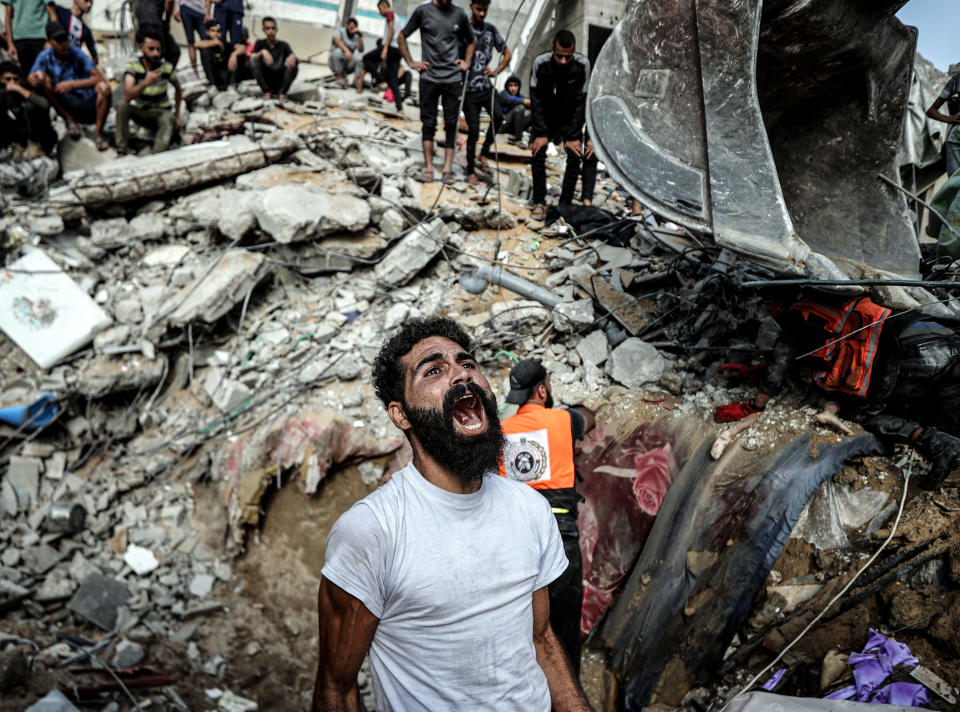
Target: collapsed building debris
(169, 473)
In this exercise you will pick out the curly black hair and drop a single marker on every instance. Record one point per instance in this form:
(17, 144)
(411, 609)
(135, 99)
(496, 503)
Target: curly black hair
(388, 374)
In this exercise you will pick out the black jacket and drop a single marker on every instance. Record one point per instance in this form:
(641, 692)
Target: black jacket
(558, 96)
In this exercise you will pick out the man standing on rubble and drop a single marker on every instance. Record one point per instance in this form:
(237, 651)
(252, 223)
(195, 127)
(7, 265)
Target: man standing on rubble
(78, 32)
(898, 375)
(480, 93)
(25, 23)
(540, 442)
(951, 144)
(273, 63)
(72, 84)
(441, 574)
(558, 95)
(145, 97)
(444, 31)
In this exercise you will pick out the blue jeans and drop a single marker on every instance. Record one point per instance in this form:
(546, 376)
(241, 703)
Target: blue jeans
(231, 24)
(192, 24)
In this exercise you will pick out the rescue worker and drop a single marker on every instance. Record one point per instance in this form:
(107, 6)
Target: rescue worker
(899, 376)
(540, 442)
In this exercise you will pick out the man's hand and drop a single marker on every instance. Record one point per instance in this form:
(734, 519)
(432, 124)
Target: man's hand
(490, 72)
(539, 143)
(178, 122)
(383, 54)
(12, 51)
(349, 55)
(291, 61)
(153, 76)
(420, 66)
(63, 87)
(35, 79)
(589, 152)
(16, 87)
(574, 146)
(527, 103)
(462, 63)
(176, 14)
(955, 118)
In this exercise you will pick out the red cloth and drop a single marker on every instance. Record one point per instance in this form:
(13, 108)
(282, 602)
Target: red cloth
(735, 411)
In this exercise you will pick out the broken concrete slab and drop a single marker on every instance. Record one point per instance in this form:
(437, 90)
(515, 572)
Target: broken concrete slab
(634, 363)
(573, 316)
(23, 474)
(44, 311)
(236, 214)
(594, 348)
(166, 256)
(297, 213)
(147, 226)
(201, 585)
(523, 316)
(40, 559)
(128, 654)
(219, 287)
(81, 154)
(110, 233)
(141, 560)
(629, 312)
(55, 701)
(392, 223)
(412, 253)
(104, 375)
(163, 173)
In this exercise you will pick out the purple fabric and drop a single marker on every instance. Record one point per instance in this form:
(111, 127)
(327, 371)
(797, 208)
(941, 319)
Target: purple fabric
(775, 680)
(906, 694)
(844, 694)
(872, 666)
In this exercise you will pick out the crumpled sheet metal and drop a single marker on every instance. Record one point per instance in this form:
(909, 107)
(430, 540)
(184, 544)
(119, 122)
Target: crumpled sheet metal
(769, 702)
(765, 123)
(178, 169)
(719, 531)
(314, 442)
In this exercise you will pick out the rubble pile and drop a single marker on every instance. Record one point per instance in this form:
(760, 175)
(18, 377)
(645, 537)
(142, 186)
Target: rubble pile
(245, 284)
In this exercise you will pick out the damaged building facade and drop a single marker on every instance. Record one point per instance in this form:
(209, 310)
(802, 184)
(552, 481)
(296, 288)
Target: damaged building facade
(187, 341)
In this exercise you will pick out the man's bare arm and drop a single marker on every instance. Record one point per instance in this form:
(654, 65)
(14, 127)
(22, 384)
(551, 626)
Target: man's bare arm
(346, 631)
(934, 112)
(565, 692)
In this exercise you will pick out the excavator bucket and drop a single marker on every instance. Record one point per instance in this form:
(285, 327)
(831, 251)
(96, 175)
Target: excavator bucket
(765, 123)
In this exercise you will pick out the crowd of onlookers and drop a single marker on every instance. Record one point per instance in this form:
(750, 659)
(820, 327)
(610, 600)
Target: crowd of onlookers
(51, 61)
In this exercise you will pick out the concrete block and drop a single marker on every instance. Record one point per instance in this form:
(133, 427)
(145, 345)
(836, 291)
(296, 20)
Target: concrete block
(212, 295)
(292, 213)
(412, 253)
(635, 362)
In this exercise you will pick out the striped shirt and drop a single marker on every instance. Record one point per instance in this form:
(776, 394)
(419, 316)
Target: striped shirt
(154, 96)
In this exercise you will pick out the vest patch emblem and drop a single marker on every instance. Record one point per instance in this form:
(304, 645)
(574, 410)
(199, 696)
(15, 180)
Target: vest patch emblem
(526, 456)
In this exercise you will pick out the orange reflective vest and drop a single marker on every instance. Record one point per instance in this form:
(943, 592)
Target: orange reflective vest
(539, 447)
(850, 350)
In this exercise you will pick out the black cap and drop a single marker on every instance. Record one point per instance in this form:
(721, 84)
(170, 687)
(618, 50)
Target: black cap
(523, 378)
(55, 31)
(8, 65)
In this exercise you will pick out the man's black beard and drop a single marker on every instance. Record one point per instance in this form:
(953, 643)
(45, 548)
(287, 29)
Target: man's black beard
(548, 403)
(468, 457)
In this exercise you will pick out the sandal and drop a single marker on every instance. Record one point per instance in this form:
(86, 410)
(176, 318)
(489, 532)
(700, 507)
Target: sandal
(73, 129)
(539, 212)
(472, 179)
(448, 178)
(100, 142)
(426, 177)
(484, 164)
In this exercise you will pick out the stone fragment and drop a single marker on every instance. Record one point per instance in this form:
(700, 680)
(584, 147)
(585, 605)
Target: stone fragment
(111, 233)
(128, 654)
(98, 599)
(147, 226)
(55, 701)
(43, 224)
(593, 348)
(522, 316)
(634, 363)
(573, 316)
(115, 374)
(247, 104)
(166, 256)
(10, 557)
(225, 99)
(291, 213)
(82, 155)
(395, 315)
(23, 474)
(201, 585)
(230, 702)
(392, 223)
(40, 559)
(141, 560)
(81, 567)
(412, 253)
(57, 586)
(236, 215)
(212, 295)
(226, 393)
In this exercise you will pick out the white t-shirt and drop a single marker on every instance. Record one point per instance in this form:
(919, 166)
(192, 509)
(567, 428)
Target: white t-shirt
(451, 578)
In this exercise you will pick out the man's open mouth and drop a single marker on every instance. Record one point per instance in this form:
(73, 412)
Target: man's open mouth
(468, 412)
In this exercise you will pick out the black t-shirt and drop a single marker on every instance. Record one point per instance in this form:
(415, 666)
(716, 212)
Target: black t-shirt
(280, 51)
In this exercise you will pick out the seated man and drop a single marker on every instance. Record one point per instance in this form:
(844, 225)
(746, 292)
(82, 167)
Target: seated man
(24, 114)
(78, 32)
(899, 377)
(239, 61)
(517, 116)
(346, 42)
(145, 98)
(216, 56)
(273, 62)
(72, 84)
